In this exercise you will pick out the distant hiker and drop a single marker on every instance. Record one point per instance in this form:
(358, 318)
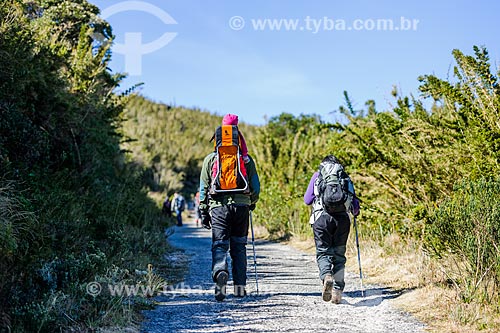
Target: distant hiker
(331, 193)
(229, 189)
(179, 205)
(197, 208)
(167, 207)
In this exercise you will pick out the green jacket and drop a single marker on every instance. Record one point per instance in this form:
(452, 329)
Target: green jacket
(207, 201)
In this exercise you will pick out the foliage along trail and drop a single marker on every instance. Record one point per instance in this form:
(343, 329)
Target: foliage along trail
(289, 297)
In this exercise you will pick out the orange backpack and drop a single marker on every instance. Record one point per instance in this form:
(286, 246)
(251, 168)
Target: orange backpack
(229, 174)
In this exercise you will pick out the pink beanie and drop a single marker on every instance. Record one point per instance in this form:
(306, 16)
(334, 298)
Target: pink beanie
(230, 119)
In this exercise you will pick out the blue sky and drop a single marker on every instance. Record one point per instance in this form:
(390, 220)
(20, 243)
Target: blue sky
(260, 73)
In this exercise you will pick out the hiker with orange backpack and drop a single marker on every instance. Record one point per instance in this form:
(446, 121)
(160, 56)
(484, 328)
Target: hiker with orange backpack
(229, 189)
(331, 193)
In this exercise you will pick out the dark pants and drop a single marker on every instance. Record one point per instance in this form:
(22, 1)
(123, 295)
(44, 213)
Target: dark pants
(179, 217)
(229, 232)
(330, 236)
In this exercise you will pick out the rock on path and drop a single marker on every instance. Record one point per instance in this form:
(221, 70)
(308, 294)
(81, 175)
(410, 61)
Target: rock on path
(289, 297)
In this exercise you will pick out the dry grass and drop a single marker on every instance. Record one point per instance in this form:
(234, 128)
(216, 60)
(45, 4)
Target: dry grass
(441, 309)
(426, 293)
(394, 263)
(303, 244)
(260, 231)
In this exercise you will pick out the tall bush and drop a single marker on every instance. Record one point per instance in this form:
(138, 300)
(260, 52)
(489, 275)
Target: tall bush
(466, 227)
(72, 211)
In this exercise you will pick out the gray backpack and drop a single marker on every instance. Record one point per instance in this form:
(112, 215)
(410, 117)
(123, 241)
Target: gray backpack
(333, 188)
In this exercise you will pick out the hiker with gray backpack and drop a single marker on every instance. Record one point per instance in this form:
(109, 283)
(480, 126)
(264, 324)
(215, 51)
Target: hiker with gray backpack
(229, 190)
(331, 193)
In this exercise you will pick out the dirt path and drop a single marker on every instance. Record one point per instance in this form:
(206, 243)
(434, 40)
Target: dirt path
(289, 298)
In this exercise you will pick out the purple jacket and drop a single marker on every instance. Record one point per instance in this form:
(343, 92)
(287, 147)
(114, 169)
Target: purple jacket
(309, 195)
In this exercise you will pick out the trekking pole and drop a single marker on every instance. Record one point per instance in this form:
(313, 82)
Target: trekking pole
(254, 256)
(359, 258)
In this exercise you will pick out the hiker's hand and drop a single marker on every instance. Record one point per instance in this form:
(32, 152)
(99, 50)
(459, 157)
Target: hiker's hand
(355, 207)
(206, 220)
(355, 212)
(251, 207)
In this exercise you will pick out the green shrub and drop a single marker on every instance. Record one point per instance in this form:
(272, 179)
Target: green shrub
(70, 207)
(466, 226)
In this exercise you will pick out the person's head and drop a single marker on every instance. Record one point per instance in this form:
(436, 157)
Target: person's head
(230, 119)
(330, 159)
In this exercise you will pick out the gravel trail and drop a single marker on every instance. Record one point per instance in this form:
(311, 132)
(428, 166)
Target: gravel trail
(289, 297)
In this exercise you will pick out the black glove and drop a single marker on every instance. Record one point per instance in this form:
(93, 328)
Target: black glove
(251, 207)
(206, 220)
(355, 207)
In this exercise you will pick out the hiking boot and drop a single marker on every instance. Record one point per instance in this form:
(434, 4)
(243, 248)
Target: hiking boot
(220, 286)
(327, 288)
(336, 296)
(239, 291)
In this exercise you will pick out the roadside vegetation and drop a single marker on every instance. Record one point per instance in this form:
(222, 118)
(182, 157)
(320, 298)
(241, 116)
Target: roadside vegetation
(73, 208)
